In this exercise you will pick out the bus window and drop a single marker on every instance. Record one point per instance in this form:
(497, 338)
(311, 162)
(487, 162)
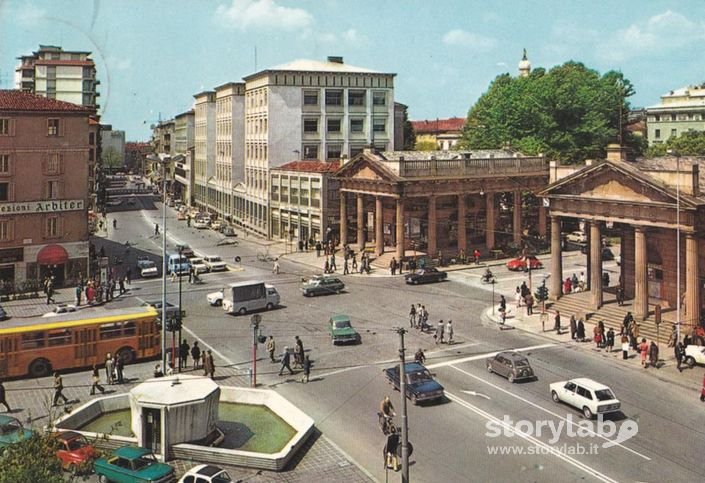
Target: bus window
(32, 340)
(129, 328)
(110, 331)
(62, 337)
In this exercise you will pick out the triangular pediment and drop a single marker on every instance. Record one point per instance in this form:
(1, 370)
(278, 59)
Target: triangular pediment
(365, 168)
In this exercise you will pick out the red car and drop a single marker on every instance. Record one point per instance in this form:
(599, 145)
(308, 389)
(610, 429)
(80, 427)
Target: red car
(75, 452)
(523, 263)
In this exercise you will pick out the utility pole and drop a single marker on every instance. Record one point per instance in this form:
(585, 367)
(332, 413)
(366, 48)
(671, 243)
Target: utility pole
(180, 311)
(254, 323)
(404, 418)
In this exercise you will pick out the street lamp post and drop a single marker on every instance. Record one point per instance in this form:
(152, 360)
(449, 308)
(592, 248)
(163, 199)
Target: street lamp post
(678, 243)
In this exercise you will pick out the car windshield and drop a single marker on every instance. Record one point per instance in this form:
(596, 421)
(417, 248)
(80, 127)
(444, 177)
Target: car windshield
(77, 443)
(223, 477)
(418, 376)
(149, 264)
(144, 461)
(214, 259)
(342, 324)
(604, 395)
(10, 427)
(521, 363)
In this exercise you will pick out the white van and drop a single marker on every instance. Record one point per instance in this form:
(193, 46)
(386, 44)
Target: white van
(178, 264)
(243, 297)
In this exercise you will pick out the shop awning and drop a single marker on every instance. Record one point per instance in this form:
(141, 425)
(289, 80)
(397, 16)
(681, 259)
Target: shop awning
(52, 255)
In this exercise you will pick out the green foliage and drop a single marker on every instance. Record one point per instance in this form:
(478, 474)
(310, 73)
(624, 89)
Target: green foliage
(569, 113)
(541, 293)
(32, 459)
(691, 143)
(409, 133)
(426, 145)
(111, 158)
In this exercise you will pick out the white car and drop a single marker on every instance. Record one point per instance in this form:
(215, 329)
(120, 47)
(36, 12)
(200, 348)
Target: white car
(60, 309)
(148, 269)
(215, 298)
(591, 397)
(206, 474)
(576, 237)
(694, 354)
(214, 263)
(198, 265)
(200, 223)
(215, 225)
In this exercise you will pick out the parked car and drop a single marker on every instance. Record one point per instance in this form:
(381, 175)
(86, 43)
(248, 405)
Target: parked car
(322, 285)
(694, 354)
(341, 331)
(185, 250)
(522, 264)
(147, 267)
(425, 275)
(206, 474)
(228, 230)
(171, 309)
(214, 263)
(576, 237)
(590, 397)
(216, 224)
(75, 452)
(132, 464)
(512, 365)
(61, 309)
(198, 264)
(606, 252)
(200, 223)
(11, 431)
(420, 384)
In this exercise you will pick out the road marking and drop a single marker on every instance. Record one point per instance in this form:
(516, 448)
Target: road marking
(533, 440)
(489, 354)
(338, 371)
(478, 394)
(549, 412)
(208, 346)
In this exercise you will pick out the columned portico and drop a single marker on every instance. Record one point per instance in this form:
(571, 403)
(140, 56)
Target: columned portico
(343, 219)
(360, 223)
(692, 280)
(400, 228)
(641, 284)
(462, 234)
(516, 224)
(556, 259)
(595, 265)
(489, 230)
(432, 245)
(379, 220)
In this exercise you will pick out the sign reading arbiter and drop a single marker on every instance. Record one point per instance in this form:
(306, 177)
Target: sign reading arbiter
(52, 206)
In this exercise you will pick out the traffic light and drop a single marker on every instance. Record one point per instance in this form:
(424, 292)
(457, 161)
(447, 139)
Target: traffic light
(173, 324)
(542, 292)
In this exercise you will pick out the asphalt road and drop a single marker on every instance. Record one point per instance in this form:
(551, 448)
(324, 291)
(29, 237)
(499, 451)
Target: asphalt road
(450, 439)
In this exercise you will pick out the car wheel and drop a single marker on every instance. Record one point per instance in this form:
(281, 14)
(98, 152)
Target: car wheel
(218, 303)
(242, 311)
(127, 355)
(338, 291)
(587, 413)
(690, 361)
(270, 306)
(510, 377)
(489, 368)
(554, 396)
(40, 368)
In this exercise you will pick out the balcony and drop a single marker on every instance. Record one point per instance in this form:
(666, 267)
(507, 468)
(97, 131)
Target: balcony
(468, 167)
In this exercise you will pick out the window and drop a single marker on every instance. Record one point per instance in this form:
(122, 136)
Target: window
(355, 150)
(379, 125)
(110, 331)
(356, 98)
(334, 98)
(91, 138)
(53, 164)
(62, 337)
(310, 151)
(674, 133)
(357, 125)
(379, 98)
(52, 127)
(657, 133)
(4, 191)
(52, 190)
(6, 230)
(4, 127)
(33, 340)
(316, 197)
(4, 164)
(52, 227)
(310, 98)
(311, 125)
(658, 117)
(334, 151)
(334, 125)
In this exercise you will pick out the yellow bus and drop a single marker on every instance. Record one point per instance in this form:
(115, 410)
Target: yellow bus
(39, 346)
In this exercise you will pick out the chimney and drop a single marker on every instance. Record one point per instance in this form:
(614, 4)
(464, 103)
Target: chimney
(335, 59)
(616, 153)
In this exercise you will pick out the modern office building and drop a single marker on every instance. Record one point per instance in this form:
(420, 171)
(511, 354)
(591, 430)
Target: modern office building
(204, 150)
(184, 129)
(679, 111)
(229, 147)
(52, 72)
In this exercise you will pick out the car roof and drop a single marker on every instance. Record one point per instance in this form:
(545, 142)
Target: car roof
(131, 452)
(209, 470)
(589, 383)
(414, 366)
(513, 355)
(340, 318)
(68, 435)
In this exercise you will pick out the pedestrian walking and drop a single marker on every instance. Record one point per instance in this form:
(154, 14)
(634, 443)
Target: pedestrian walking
(156, 229)
(119, 369)
(128, 276)
(307, 369)
(644, 352)
(122, 286)
(580, 334)
(78, 295)
(449, 331)
(95, 379)
(271, 347)
(204, 361)
(275, 268)
(439, 332)
(625, 347)
(557, 322)
(285, 361)
(679, 352)
(333, 268)
(346, 267)
(211, 363)
(326, 266)
(354, 262)
(184, 350)
(393, 266)
(609, 339)
(502, 304)
(476, 256)
(50, 294)
(529, 301)
(620, 296)
(3, 399)
(318, 249)
(109, 368)
(114, 224)
(653, 354)
(58, 390)
(420, 357)
(702, 391)
(573, 327)
(597, 336)
(298, 352)
(412, 316)
(196, 355)
(518, 297)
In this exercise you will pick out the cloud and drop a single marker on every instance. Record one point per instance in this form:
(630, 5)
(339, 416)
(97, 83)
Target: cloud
(470, 40)
(660, 34)
(247, 14)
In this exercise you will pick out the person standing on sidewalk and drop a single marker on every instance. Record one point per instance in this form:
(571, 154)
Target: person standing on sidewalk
(184, 350)
(702, 391)
(610, 339)
(195, 355)
(95, 379)
(653, 354)
(529, 301)
(439, 332)
(3, 401)
(449, 331)
(557, 322)
(78, 295)
(286, 362)
(679, 352)
(644, 351)
(307, 369)
(58, 390)
(275, 268)
(333, 268)
(119, 368)
(573, 327)
(412, 316)
(393, 266)
(625, 347)
(271, 347)
(109, 368)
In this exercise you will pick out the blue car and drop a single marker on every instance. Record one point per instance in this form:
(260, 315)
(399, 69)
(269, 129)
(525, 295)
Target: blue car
(420, 384)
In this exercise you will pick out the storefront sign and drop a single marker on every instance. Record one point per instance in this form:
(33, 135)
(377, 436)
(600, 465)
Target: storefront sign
(11, 255)
(52, 206)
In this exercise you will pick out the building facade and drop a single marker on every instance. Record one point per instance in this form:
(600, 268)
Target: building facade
(44, 159)
(184, 129)
(304, 200)
(112, 142)
(204, 150)
(310, 110)
(51, 72)
(229, 146)
(679, 111)
(444, 134)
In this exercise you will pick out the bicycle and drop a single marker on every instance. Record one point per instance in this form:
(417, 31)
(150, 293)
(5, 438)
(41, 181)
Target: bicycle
(386, 423)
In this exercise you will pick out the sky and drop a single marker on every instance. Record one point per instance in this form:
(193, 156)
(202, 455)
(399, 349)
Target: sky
(152, 56)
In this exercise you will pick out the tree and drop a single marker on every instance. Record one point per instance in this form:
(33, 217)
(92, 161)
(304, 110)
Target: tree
(32, 459)
(426, 145)
(569, 113)
(690, 143)
(111, 159)
(409, 133)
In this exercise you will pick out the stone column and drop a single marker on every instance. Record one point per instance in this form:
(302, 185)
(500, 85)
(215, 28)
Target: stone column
(641, 283)
(343, 220)
(462, 235)
(542, 218)
(692, 280)
(432, 246)
(516, 223)
(556, 259)
(400, 228)
(379, 232)
(595, 265)
(360, 223)
(489, 222)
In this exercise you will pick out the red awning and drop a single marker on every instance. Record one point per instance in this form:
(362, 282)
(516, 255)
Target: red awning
(52, 255)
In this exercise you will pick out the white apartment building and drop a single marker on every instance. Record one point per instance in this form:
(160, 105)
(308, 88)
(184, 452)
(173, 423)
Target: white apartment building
(229, 145)
(310, 110)
(184, 145)
(204, 150)
(51, 72)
